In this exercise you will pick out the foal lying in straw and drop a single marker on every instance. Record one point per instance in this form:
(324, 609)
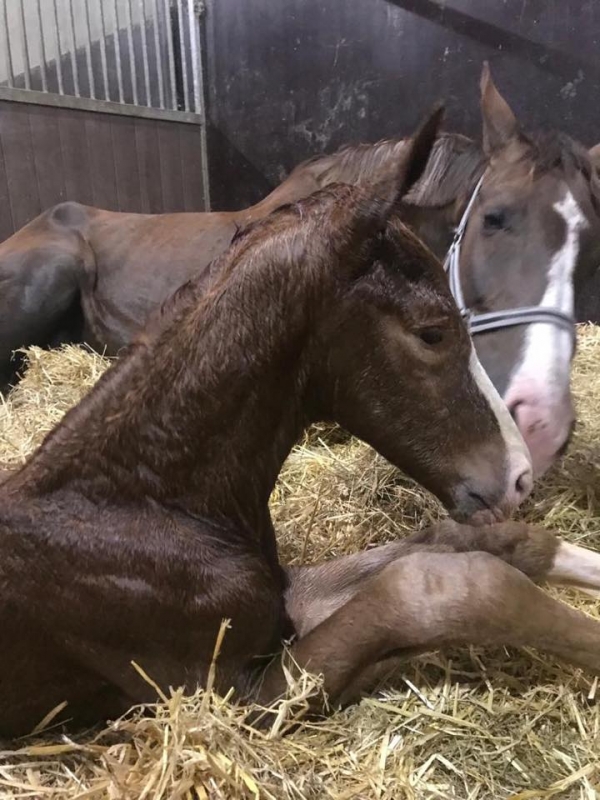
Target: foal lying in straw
(142, 521)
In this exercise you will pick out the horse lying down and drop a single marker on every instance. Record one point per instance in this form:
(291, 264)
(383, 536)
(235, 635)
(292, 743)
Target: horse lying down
(142, 521)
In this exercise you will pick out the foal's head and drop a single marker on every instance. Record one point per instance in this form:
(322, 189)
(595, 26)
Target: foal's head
(392, 361)
(532, 233)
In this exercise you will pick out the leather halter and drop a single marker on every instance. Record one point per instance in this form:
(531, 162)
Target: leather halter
(504, 318)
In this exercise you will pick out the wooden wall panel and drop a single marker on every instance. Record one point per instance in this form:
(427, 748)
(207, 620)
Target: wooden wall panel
(122, 163)
(126, 164)
(47, 157)
(19, 163)
(148, 155)
(6, 220)
(170, 168)
(103, 173)
(75, 156)
(190, 158)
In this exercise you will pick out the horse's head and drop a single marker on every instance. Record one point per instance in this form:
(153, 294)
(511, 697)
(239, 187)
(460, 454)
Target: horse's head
(529, 232)
(395, 364)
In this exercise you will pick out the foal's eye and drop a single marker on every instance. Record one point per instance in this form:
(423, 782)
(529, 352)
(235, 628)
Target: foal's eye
(431, 336)
(494, 221)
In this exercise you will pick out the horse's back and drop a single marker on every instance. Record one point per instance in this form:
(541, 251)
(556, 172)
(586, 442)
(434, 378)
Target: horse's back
(97, 274)
(139, 261)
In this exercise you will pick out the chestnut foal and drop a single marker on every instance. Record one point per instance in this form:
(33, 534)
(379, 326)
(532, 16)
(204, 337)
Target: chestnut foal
(142, 521)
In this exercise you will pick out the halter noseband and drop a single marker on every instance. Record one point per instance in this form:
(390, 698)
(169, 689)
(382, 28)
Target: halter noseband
(494, 320)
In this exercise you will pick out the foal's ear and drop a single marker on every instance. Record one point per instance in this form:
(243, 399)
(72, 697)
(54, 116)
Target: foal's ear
(499, 123)
(412, 163)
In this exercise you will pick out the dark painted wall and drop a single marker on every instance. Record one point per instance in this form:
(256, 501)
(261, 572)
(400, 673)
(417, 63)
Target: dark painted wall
(49, 154)
(291, 78)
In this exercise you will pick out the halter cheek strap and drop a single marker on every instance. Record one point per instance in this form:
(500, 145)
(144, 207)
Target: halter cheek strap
(504, 318)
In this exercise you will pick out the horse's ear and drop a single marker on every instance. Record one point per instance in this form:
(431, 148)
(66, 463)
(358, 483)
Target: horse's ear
(499, 123)
(594, 154)
(412, 162)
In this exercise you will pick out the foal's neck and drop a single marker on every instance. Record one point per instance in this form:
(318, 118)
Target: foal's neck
(203, 411)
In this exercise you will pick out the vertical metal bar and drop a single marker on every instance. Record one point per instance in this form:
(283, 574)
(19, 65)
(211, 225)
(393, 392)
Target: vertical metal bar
(88, 53)
(145, 55)
(59, 74)
(103, 59)
(74, 51)
(7, 51)
(182, 54)
(132, 65)
(118, 53)
(25, 48)
(42, 48)
(194, 55)
(198, 67)
(169, 29)
(159, 58)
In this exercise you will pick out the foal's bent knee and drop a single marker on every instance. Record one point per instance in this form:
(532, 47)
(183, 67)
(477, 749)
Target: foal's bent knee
(447, 596)
(434, 572)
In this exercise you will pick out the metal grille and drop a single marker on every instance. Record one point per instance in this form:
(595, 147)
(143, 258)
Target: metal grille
(140, 52)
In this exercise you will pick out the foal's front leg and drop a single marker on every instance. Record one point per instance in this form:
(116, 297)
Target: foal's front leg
(426, 600)
(537, 552)
(316, 592)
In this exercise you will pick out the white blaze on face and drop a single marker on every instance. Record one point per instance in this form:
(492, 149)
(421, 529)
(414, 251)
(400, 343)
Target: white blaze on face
(539, 389)
(515, 445)
(548, 348)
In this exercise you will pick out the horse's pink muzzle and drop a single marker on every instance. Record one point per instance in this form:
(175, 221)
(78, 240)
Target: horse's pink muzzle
(545, 422)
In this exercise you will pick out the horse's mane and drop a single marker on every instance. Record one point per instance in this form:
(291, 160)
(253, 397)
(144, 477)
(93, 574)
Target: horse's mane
(556, 150)
(454, 166)
(456, 163)
(352, 163)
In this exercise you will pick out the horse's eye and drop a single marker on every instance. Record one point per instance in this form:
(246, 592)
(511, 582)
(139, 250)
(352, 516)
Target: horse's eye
(431, 336)
(494, 221)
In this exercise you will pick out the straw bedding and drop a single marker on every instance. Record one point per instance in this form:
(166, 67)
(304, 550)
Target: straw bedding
(472, 723)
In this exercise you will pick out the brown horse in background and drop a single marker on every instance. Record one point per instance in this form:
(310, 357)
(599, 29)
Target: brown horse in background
(142, 521)
(82, 274)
